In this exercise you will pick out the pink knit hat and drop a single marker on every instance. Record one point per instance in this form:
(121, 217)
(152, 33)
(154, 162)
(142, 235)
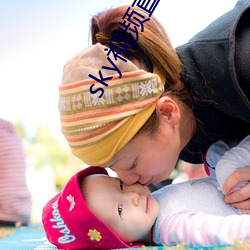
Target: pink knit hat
(69, 223)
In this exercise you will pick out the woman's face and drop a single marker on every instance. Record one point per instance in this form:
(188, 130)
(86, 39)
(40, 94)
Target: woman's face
(148, 159)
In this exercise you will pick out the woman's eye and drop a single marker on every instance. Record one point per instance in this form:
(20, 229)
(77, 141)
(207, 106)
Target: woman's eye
(121, 186)
(120, 206)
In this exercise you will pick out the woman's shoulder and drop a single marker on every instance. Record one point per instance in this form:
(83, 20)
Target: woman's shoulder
(209, 65)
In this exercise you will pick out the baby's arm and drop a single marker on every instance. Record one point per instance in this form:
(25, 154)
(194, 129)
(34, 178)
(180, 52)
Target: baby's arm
(201, 229)
(237, 157)
(214, 153)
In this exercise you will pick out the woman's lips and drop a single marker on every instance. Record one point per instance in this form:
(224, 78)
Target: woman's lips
(148, 183)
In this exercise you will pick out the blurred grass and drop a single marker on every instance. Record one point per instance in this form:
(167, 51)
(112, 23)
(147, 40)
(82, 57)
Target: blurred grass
(6, 231)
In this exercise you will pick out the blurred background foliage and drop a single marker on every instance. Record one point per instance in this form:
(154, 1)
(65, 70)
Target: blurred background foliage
(44, 150)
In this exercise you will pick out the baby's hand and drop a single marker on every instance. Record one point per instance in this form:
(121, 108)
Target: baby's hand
(240, 198)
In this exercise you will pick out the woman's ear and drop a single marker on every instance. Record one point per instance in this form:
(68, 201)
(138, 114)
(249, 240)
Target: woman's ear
(168, 110)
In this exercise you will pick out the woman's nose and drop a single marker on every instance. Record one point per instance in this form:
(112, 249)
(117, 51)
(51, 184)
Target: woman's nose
(126, 177)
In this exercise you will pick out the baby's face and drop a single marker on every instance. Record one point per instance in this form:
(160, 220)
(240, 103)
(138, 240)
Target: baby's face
(130, 211)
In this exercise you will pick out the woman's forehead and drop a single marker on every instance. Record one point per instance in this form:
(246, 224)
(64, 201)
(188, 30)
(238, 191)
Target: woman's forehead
(128, 153)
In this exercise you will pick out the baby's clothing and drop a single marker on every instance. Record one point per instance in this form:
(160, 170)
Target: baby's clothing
(194, 212)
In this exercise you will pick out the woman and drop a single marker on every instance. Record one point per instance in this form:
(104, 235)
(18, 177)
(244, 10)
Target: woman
(134, 125)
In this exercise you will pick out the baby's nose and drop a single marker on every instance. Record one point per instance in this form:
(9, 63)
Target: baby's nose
(133, 197)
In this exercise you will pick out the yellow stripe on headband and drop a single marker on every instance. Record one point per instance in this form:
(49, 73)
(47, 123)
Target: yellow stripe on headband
(103, 150)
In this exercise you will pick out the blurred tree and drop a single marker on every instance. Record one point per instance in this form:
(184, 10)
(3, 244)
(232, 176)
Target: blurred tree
(20, 130)
(45, 150)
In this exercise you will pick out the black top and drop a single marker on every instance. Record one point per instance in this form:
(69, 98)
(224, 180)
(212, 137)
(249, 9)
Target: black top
(217, 67)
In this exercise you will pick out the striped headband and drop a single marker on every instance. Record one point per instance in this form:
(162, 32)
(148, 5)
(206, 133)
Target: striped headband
(98, 127)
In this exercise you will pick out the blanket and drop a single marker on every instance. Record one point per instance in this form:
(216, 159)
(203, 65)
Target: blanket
(33, 238)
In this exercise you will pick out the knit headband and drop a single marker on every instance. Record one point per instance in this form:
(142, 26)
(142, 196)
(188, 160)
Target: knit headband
(98, 127)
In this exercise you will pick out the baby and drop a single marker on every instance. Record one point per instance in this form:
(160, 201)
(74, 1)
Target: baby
(96, 211)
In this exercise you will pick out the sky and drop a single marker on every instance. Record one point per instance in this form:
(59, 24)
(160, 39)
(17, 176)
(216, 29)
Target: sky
(38, 37)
